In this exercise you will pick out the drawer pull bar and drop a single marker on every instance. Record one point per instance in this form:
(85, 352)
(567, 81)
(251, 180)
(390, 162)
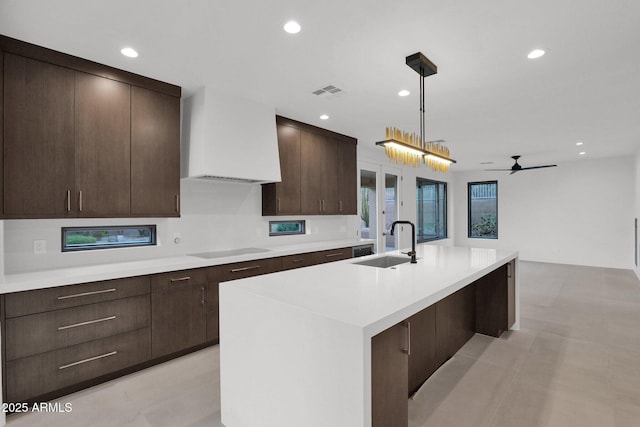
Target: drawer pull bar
(181, 279)
(297, 260)
(85, 294)
(253, 267)
(88, 322)
(332, 255)
(91, 359)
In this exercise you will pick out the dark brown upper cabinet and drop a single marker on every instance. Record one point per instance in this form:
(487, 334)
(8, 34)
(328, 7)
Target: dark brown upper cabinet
(81, 139)
(102, 146)
(283, 198)
(38, 139)
(318, 169)
(155, 153)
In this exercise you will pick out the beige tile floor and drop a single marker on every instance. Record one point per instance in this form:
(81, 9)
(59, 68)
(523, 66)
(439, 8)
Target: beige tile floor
(575, 362)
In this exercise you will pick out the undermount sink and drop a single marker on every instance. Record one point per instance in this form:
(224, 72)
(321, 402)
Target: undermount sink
(384, 262)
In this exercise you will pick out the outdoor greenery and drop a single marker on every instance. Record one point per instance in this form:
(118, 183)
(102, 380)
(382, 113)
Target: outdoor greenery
(365, 206)
(485, 227)
(78, 239)
(287, 227)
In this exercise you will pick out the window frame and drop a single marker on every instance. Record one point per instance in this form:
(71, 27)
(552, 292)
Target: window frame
(419, 224)
(469, 225)
(300, 222)
(64, 230)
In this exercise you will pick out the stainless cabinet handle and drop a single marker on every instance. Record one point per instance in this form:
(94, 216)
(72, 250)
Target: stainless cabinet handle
(320, 205)
(253, 267)
(278, 204)
(297, 260)
(202, 300)
(180, 279)
(91, 359)
(509, 270)
(68, 200)
(323, 206)
(88, 322)
(80, 201)
(332, 255)
(407, 350)
(85, 294)
(340, 203)
(178, 203)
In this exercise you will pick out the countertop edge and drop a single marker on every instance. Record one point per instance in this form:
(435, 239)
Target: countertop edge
(19, 282)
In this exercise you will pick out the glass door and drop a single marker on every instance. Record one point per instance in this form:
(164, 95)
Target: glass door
(368, 204)
(379, 204)
(390, 211)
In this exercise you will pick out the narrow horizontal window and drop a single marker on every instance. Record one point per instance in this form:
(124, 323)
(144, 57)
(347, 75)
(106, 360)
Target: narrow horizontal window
(285, 228)
(88, 238)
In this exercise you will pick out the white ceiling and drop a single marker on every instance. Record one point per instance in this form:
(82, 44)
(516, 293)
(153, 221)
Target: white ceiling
(488, 101)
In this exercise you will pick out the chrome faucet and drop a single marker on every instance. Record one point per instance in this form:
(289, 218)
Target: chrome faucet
(412, 254)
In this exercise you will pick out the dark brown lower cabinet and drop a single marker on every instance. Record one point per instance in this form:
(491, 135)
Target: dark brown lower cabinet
(212, 304)
(178, 318)
(389, 371)
(455, 322)
(422, 359)
(493, 302)
(34, 376)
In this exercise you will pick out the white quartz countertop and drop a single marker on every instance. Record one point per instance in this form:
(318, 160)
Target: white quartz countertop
(73, 275)
(375, 298)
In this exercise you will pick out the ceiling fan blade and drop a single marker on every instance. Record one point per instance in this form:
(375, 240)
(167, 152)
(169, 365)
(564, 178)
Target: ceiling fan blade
(539, 167)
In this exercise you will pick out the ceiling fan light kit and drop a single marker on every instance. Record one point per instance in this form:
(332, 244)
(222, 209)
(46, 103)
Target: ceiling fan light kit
(411, 148)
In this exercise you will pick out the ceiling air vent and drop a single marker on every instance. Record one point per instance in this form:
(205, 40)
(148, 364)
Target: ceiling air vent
(327, 90)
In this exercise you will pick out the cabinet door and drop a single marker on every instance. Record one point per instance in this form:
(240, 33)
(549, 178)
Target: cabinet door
(389, 377)
(319, 181)
(455, 322)
(155, 153)
(38, 138)
(422, 360)
(288, 190)
(492, 303)
(347, 179)
(178, 318)
(511, 293)
(102, 151)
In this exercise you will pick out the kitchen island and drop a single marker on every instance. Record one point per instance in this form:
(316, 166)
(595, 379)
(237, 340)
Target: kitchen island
(296, 347)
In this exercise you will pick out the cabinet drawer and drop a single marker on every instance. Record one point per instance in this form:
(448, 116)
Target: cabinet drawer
(33, 376)
(332, 255)
(167, 281)
(38, 333)
(38, 301)
(296, 261)
(241, 270)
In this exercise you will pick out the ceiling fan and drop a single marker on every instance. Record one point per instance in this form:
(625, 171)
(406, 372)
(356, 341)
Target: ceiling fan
(517, 168)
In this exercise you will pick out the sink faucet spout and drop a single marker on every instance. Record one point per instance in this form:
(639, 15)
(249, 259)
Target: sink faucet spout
(412, 254)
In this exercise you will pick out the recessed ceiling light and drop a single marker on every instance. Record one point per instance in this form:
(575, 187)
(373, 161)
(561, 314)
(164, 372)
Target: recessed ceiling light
(324, 117)
(292, 27)
(535, 53)
(404, 92)
(582, 153)
(129, 51)
(579, 143)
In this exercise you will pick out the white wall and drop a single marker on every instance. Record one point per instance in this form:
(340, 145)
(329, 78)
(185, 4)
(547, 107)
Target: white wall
(215, 216)
(577, 213)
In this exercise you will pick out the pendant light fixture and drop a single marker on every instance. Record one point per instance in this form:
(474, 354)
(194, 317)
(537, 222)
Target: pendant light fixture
(410, 148)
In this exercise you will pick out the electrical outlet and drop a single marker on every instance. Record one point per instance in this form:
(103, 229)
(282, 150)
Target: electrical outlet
(177, 238)
(39, 247)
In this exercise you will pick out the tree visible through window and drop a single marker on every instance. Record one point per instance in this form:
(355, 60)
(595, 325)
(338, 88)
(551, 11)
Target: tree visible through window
(483, 209)
(431, 202)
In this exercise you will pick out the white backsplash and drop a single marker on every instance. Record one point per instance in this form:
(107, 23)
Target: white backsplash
(215, 216)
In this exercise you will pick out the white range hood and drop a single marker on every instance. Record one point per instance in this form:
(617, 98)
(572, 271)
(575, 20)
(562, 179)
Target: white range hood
(228, 138)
